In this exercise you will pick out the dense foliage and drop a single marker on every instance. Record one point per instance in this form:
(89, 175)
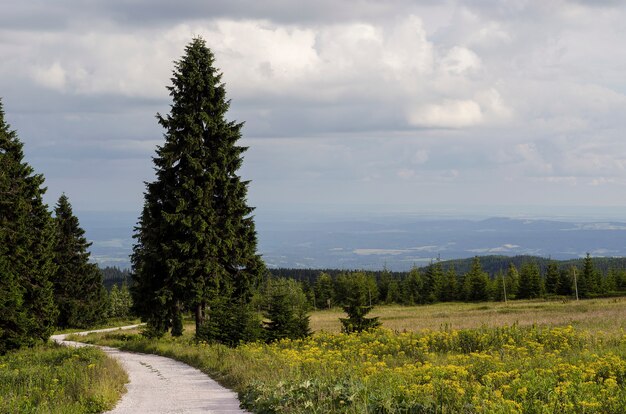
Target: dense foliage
(78, 289)
(26, 249)
(196, 241)
(440, 282)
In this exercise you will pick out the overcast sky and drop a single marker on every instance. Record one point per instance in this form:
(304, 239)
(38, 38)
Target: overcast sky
(358, 102)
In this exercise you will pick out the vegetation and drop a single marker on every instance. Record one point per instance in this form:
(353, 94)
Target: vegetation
(26, 249)
(441, 282)
(504, 368)
(358, 303)
(196, 240)
(112, 275)
(285, 310)
(57, 379)
(78, 289)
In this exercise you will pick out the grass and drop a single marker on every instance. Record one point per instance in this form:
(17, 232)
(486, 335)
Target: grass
(56, 379)
(109, 323)
(521, 357)
(593, 315)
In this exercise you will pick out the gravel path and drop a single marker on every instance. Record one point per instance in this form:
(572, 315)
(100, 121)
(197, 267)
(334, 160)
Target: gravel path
(160, 385)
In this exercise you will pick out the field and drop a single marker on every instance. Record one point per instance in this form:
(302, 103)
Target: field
(594, 315)
(523, 357)
(56, 379)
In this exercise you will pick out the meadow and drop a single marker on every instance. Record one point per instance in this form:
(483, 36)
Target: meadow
(520, 357)
(56, 379)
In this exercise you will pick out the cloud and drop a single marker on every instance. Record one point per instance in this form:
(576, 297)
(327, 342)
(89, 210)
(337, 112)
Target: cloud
(357, 101)
(53, 77)
(448, 114)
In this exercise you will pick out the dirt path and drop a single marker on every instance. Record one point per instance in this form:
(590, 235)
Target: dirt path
(160, 385)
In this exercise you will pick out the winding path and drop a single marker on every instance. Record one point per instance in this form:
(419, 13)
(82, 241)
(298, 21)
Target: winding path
(160, 385)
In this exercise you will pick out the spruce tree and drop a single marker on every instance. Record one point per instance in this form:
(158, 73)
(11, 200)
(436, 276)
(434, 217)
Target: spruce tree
(26, 239)
(14, 318)
(357, 305)
(530, 283)
(476, 283)
(413, 288)
(286, 310)
(196, 241)
(553, 277)
(324, 291)
(78, 289)
(587, 281)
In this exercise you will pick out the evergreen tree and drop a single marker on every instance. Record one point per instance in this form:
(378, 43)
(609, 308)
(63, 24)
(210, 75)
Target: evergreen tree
(26, 240)
(196, 241)
(500, 291)
(553, 277)
(357, 305)
(324, 291)
(449, 289)
(14, 318)
(530, 285)
(78, 289)
(586, 279)
(476, 283)
(512, 280)
(433, 281)
(565, 282)
(286, 310)
(413, 287)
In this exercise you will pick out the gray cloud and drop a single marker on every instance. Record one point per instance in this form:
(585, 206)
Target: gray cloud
(359, 101)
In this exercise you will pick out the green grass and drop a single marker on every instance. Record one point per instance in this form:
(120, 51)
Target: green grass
(514, 362)
(56, 379)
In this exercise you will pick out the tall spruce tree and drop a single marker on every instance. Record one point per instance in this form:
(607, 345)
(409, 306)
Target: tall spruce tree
(196, 241)
(78, 289)
(26, 241)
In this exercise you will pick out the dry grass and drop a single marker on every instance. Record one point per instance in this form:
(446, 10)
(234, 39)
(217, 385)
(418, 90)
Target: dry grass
(607, 315)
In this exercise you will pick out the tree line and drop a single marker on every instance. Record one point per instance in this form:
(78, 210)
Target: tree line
(46, 278)
(440, 282)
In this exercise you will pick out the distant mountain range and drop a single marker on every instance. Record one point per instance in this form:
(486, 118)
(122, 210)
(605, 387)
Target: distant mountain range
(396, 242)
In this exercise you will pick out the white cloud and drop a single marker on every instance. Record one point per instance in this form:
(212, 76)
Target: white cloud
(459, 60)
(448, 114)
(53, 76)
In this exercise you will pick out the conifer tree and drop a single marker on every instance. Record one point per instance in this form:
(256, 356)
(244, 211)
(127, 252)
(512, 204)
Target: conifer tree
(512, 280)
(449, 289)
(530, 283)
(565, 281)
(286, 310)
(78, 289)
(553, 277)
(476, 282)
(14, 317)
(26, 239)
(324, 291)
(196, 241)
(413, 288)
(587, 278)
(433, 281)
(357, 305)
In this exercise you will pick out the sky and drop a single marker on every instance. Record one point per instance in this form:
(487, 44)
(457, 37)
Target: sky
(346, 104)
